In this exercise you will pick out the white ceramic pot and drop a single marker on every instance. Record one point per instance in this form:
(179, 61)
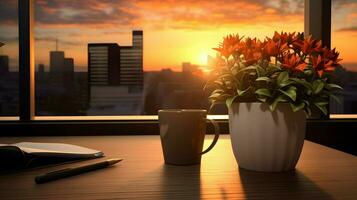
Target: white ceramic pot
(266, 141)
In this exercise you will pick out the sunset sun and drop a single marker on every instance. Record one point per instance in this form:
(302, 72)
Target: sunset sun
(202, 59)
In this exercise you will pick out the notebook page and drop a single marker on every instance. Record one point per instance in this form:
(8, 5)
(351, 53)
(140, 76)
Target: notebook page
(55, 148)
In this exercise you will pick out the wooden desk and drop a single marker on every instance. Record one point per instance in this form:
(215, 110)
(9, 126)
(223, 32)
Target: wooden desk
(322, 173)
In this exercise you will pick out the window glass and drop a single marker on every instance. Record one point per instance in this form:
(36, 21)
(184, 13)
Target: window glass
(344, 38)
(9, 59)
(101, 57)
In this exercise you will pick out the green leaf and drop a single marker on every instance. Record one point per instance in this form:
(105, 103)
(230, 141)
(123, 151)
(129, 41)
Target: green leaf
(216, 92)
(321, 106)
(260, 71)
(321, 103)
(308, 92)
(273, 67)
(279, 99)
(282, 77)
(302, 82)
(306, 102)
(213, 103)
(218, 82)
(263, 92)
(336, 98)
(308, 72)
(252, 67)
(297, 107)
(263, 78)
(333, 86)
(206, 86)
(242, 92)
(317, 86)
(230, 100)
(234, 70)
(291, 93)
(286, 83)
(308, 111)
(225, 75)
(214, 95)
(241, 80)
(262, 99)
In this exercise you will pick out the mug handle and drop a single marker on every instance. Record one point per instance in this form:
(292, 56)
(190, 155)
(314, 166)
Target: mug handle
(216, 136)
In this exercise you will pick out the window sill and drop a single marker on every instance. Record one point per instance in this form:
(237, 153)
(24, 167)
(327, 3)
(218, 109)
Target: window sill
(335, 133)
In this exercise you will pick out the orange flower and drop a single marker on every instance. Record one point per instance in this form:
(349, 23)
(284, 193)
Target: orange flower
(225, 51)
(331, 55)
(294, 63)
(230, 45)
(275, 48)
(322, 65)
(252, 50)
(310, 46)
(289, 38)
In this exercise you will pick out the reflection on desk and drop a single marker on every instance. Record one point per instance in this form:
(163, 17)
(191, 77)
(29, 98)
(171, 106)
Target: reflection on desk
(322, 173)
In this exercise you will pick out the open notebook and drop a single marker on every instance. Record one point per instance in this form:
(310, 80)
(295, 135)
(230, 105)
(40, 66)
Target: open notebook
(30, 154)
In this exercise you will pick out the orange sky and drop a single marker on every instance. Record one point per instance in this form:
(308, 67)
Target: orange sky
(174, 31)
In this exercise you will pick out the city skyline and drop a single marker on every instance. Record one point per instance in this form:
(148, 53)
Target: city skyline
(175, 32)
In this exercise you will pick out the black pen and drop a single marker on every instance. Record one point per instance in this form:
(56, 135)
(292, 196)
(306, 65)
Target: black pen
(63, 173)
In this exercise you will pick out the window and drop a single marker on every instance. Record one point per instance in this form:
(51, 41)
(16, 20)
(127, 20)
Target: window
(135, 57)
(68, 33)
(344, 38)
(9, 62)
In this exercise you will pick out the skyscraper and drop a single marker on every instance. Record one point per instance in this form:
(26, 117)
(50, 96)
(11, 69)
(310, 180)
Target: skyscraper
(56, 61)
(61, 68)
(103, 64)
(68, 65)
(131, 62)
(115, 75)
(111, 64)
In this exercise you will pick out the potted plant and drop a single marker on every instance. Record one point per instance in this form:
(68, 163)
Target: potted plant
(270, 87)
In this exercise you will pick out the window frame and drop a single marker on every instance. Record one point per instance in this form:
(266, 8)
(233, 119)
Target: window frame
(333, 132)
(317, 22)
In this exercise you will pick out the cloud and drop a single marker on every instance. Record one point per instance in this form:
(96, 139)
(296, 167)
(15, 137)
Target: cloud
(8, 12)
(341, 4)
(183, 14)
(198, 14)
(176, 14)
(8, 40)
(348, 29)
(60, 41)
(93, 13)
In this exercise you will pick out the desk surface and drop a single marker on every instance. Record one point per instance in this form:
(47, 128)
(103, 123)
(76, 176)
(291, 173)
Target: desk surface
(322, 173)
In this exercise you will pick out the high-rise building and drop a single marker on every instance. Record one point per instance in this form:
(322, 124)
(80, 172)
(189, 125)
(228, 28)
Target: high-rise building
(56, 61)
(4, 64)
(68, 65)
(115, 76)
(111, 64)
(131, 62)
(61, 68)
(103, 64)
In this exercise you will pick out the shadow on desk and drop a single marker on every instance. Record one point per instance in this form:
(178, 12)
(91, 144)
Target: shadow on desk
(180, 182)
(40, 163)
(287, 185)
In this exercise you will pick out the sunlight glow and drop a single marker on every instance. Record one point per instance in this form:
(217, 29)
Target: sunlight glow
(203, 59)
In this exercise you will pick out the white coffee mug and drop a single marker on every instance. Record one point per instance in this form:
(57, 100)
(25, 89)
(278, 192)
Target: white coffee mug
(182, 133)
